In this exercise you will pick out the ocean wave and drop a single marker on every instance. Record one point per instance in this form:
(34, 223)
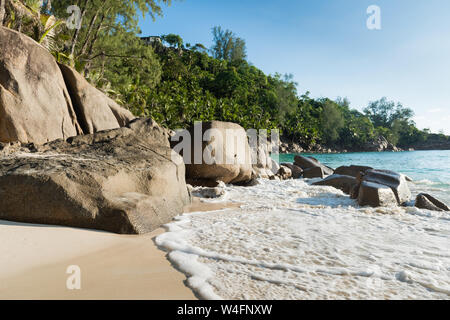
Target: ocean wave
(294, 241)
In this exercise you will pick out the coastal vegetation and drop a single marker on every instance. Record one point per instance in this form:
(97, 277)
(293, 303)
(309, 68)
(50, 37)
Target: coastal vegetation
(178, 83)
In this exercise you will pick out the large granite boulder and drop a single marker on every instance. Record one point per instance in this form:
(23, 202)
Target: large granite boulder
(264, 166)
(35, 105)
(314, 172)
(342, 182)
(290, 147)
(123, 116)
(125, 180)
(218, 158)
(376, 195)
(285, 173)
(380, 144)
(95, 111)
(305, 163)
(310, 162)
(297, 172)
(352, 170)
(393, 180)
(428, 202)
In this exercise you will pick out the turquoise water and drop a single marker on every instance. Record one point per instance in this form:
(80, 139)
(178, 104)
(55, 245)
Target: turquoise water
(419, 165)
(429, 169)
(290, 240)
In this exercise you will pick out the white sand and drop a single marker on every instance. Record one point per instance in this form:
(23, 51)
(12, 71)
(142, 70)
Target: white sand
(34, 260)
(26, 246)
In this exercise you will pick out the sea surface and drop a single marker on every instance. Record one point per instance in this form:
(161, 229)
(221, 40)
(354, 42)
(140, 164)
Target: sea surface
(291, 240)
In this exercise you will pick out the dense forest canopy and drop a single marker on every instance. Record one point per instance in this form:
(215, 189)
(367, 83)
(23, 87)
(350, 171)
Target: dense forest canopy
(178, 83)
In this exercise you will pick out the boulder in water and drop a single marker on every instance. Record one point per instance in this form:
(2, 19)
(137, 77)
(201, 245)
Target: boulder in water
(314, 172)
(344, 183)
(376, 195)
(209, 193)
(263, 165)
(352, 170)
(395, 181)
(284, 173)
(309, 162)
(428, 202)
(297, 172)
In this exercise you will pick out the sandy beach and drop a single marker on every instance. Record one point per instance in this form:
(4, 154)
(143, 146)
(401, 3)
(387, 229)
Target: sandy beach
(35, 259)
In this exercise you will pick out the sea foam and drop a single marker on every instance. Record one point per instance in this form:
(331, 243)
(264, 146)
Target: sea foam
(291, 240)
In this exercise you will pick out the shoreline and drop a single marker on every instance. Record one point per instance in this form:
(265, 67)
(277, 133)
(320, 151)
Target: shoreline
(112, 266)
(352, 151)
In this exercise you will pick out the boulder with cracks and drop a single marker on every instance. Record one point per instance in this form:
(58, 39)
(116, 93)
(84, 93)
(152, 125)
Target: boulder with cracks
(126, 180)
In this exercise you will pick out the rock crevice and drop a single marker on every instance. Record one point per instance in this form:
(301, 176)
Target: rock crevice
(121, 180)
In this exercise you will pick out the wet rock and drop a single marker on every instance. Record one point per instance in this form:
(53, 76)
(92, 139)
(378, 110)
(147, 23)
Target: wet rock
(352, 170)
(395, 181)
(428, 202)
(407, 178)
(208, 193)
(342, 182)
(314, 172)
(208, 183)
(354, 191)
(309, 162)
(376, 195)
(263, 165)
(284, 173)
(250, 183)
(297, 172)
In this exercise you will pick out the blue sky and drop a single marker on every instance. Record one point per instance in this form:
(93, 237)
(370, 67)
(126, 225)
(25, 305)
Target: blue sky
(326, 45)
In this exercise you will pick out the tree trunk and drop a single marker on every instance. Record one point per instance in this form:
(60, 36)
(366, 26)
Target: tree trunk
(2, 11)
(91, 45)
(77, 31)
(89, 32)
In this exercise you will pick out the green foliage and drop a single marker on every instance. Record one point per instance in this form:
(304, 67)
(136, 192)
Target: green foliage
(384, 113)
(107, 43)
(127, 61)
(227, 46)
(195, 86)
(393, 121)
(178, 84)
(30, 17)
(303, 124)
(332, 121)
(173, 40)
